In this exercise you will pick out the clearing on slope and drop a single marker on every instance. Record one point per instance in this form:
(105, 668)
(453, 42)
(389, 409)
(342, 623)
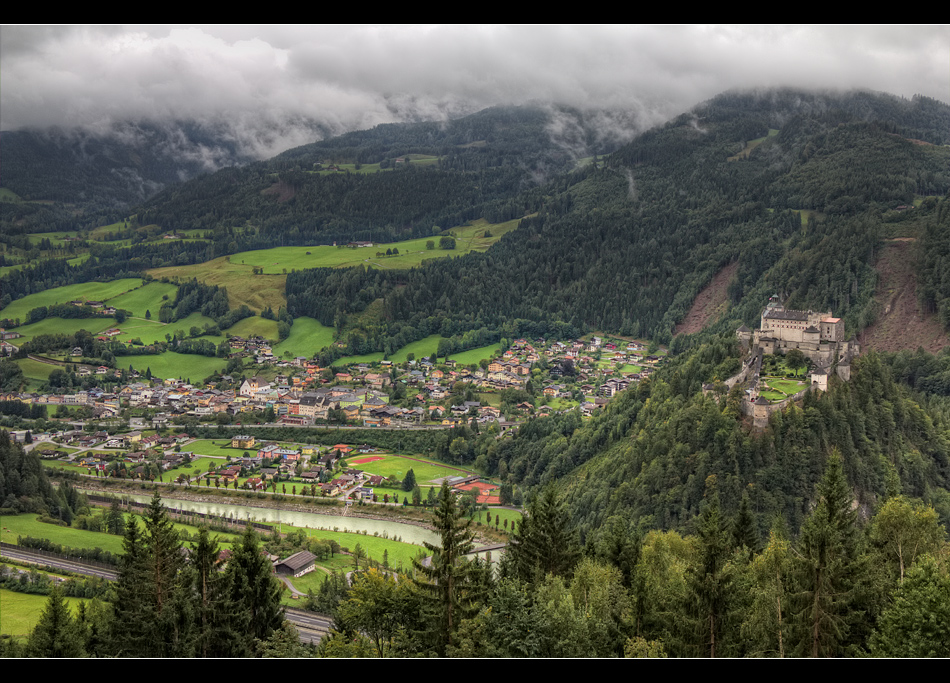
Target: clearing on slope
(900, 323)
(710, 303)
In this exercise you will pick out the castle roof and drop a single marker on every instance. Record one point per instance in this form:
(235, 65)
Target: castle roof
(785, 314)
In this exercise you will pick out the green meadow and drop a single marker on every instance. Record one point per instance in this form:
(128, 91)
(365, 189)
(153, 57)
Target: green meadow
(374, 357)
(28, 524)
(254, 326)
(35, 372)
(147, 298)
(414, 159)
(502, 513)
(476, 355)
(89, 291)
(61, 326)
(307, 337)
(398, 466)
(21, 612)
(218, 447)
(171, 365)
(423, 347)
(281, 260)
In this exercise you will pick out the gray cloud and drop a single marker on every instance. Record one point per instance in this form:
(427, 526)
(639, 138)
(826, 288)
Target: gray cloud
(271, 85)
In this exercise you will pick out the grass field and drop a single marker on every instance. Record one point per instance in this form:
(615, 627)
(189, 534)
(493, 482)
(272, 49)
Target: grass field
(21, 612)
(8, 195)
(257, 291)
(473, 356)
(145, 298)
(423, 347)
(398, 466)
(365, 358)
(503, 513)
(27, 524)
(307, 337)
(96, 291)
(149, 331)
(34, 370)
(373, 545)
(787, 386)
(170, 365)
(61, 326)
(415, 160)
(255, 326)
(218, 447)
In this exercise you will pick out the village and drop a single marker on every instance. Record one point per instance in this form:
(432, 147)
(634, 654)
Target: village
(138, 429)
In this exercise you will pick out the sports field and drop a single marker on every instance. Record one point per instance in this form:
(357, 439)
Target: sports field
(398, 465)
(487, 493)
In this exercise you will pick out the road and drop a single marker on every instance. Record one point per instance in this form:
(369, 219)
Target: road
(311, 626)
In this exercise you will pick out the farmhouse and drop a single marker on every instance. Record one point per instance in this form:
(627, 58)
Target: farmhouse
(297, 564)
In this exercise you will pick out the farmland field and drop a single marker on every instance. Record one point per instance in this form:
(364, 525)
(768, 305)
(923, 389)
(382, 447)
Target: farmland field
(36, 371)
(307, 337)
(254, 326)
(95, 291)
(280, 260)
(473, 356)
(145, 298)
(21, 612)
(423, 347)
(256, 291)
(61, 326)
(170, 365)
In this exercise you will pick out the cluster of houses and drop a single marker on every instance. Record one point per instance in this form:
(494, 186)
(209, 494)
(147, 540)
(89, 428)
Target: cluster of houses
(585, 373)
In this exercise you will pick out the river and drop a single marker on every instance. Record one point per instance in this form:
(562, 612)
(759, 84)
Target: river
(409, 533)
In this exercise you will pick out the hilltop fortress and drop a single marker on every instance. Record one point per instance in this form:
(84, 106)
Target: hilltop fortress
(818, 335)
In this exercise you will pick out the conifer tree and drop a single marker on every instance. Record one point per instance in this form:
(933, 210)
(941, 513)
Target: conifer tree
(153, 607)
(448, 579)
(255, 591)
(57, 634)
(545, 542)
(826, 569)
(709, 580)
(215, 613)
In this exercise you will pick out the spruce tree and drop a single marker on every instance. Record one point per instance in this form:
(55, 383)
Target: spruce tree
(153, 607)
(709, 581)
(448, 579)
(57, 634)
(826, 569)
(254, 590)
(215, 612)
(545, 542)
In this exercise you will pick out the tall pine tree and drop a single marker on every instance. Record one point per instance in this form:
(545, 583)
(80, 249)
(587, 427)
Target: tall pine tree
(448, 579)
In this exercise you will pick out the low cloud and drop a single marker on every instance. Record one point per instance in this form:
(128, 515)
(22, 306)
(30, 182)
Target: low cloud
(274, 87)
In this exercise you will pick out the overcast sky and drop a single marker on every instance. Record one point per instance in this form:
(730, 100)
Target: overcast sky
(267, 79)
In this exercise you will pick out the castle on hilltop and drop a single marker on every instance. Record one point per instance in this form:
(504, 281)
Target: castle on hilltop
(818, 335)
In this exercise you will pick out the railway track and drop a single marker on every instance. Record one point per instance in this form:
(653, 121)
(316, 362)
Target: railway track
(311, 626)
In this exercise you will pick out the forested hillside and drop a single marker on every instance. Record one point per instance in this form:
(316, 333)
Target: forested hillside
(626, 247)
